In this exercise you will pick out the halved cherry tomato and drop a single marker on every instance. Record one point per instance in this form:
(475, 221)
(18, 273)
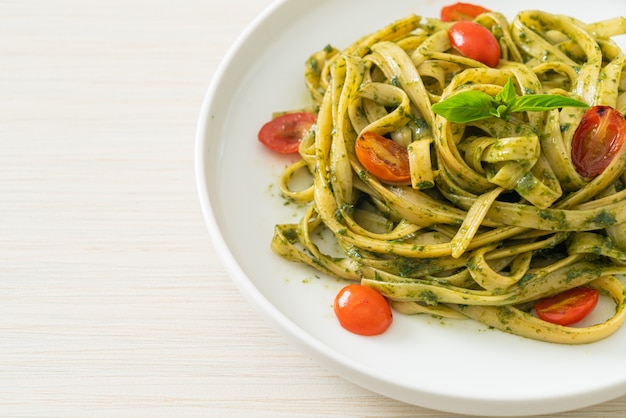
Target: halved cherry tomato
(475, 41)
(599, 136)
(567, 307)
(384, 158)
(461, 11)
(362, 310)
(284, 133)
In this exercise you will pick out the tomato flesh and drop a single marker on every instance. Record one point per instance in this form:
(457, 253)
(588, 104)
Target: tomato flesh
(362, 310)
(567, 307)
(284, 133)
(475, 41)
(384, 158)
(461, 11)
(597, 139)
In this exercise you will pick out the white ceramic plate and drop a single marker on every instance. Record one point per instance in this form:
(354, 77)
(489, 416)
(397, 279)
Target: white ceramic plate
(455, 366)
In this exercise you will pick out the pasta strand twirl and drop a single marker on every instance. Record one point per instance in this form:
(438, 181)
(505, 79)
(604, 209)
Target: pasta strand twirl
(495, 216)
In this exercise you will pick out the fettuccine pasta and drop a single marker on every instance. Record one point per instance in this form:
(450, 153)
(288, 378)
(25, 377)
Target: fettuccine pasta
(495, 216)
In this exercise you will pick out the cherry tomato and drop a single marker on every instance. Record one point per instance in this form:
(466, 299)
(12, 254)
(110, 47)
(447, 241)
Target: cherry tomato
(461, 11)
(362, 310)
(599, 136)
(476, 42)
(384, 158)
(567, 307)
(284, 133)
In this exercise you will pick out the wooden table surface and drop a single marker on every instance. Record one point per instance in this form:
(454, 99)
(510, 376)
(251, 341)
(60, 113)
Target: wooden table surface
(112, 300)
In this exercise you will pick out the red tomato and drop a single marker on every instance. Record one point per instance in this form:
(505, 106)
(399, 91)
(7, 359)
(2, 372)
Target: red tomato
(567, 307)
(599, 136)
(362, 310)
(284, 133)
(461, 11)
(476, 42)
(384, 158)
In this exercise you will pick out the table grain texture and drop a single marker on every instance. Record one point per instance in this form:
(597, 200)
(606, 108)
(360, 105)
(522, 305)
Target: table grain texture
(113, 302)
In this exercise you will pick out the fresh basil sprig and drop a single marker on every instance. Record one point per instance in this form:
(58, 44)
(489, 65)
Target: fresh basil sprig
(472, 105)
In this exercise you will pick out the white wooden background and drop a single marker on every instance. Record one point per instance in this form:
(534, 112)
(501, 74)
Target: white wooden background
(112, 301)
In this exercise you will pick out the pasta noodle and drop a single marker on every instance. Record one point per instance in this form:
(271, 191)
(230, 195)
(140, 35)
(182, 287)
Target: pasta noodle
(496, 215)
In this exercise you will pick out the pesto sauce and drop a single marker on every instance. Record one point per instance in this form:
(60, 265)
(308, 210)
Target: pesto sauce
(603, 219)
(428, 297)
(411, 267)
(505, 315)
(291, 235)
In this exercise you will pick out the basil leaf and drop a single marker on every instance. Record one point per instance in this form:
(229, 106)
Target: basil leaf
(541, 102)
(465, 107)
(474, 105)
(507, 94)
(499, 112)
